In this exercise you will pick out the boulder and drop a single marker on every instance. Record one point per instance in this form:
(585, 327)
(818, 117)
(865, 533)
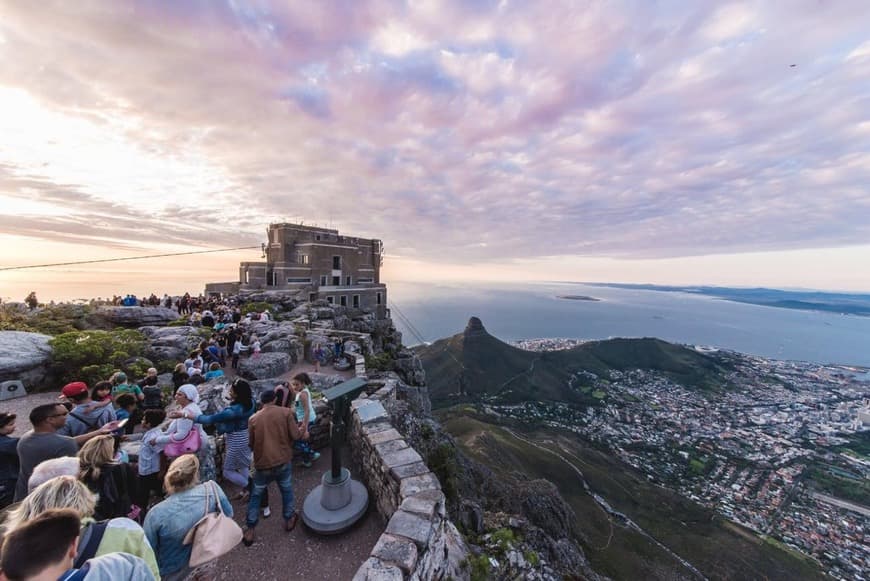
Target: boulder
(138, 316)
(213, 395)
(264, 366)
(27, 357)
(173, 343)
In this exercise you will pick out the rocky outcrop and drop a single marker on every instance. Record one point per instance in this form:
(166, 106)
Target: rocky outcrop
(264, 366)
(170, 343)
(26, 357)
(138, 316)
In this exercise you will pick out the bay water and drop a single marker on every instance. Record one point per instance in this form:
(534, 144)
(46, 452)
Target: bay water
(534, 310)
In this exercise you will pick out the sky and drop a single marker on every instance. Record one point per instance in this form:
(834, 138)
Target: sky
(627, 141)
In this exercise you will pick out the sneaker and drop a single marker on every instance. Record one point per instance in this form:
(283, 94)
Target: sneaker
(248, 537)
(267, 512)
(314, 457)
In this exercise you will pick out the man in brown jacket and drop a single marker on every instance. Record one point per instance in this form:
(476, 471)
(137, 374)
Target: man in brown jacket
(271, 432)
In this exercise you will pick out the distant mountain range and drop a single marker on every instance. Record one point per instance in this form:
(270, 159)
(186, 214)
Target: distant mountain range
(473, 365)
(845, 303)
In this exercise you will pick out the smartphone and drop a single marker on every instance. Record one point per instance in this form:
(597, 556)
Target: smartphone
(123, 423)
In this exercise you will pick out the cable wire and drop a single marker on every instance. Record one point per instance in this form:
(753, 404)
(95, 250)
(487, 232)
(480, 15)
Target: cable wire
(77, 262)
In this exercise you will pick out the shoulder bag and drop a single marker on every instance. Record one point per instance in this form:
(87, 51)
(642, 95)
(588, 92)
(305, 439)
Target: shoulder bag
(189, 445)
(214, 535)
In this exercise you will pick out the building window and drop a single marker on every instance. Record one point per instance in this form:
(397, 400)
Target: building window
(356, 301)
(330, 300)
(301, 259)
(380, 298)
(336, 263)
(312, 297)
(317, 237)
(347, 281)
(365, 280)
(343, 300)
(247, 277)
(336, 281)
(322, 280)
(295, 279)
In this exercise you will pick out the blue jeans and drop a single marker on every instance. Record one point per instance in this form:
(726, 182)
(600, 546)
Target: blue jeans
(261, 479)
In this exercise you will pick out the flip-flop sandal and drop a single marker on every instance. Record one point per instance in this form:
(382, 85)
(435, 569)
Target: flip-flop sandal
(290, 523)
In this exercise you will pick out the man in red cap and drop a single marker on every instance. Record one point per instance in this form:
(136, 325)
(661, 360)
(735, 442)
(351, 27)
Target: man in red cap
(83, 418)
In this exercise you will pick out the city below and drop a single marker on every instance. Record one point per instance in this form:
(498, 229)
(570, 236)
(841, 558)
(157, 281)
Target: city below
(783, 451)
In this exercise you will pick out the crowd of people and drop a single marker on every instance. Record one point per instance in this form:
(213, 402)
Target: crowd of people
(111, 511)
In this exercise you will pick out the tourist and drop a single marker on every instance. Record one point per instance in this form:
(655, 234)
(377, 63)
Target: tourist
(305, 415)
(114, 483)
(47, 546)
(149, 457)
(43, 442)
(214, 371)
(168, 522)
(233, 422)
(319, 357)
(152, 391)
(238, 347)
(180, 375)
(115, 535)
(271, 432)
(121, 386)
(45, 471)
(83, 417)
(184, 435)
(102, 393)
(126, 410)
(8, 459)
(255, 347)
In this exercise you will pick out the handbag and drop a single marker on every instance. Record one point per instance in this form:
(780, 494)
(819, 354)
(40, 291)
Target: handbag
(189, 445)
(213, 535)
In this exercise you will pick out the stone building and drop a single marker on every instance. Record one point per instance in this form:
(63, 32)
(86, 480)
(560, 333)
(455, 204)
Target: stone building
(343, 270)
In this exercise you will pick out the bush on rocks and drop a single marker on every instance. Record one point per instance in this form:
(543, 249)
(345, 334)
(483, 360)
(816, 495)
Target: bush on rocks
(92, 356)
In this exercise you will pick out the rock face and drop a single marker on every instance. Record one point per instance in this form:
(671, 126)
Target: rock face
(172, 343)
(138, 316)
(264, 366)
(25, 356)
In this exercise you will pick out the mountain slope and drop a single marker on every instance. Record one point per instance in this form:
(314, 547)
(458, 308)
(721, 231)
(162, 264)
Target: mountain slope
(474, 364)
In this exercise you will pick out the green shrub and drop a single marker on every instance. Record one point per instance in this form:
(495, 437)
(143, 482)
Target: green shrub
(532, 557)
(442, 462)
(92, 356)
(255, 307)
(503, 538)
(182, 322)
(379, 362)
(479, 568)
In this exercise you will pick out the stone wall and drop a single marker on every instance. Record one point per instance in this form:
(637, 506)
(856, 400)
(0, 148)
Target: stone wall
(419, 542)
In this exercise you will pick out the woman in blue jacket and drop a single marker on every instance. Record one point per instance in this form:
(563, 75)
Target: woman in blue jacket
(232, 421)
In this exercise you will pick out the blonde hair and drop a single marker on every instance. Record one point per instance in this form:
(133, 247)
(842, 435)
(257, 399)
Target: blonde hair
(96, 453)
(180, 367)
(183, 473)
(59, 492)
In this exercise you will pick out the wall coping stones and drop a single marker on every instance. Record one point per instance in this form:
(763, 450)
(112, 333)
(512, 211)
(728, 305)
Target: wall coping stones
(416, 469)
(407, 494)
(411, 526)
(415, 484)
(391, 446)
(401, 457)
(372, 411)
(376, 570)
(397, 551)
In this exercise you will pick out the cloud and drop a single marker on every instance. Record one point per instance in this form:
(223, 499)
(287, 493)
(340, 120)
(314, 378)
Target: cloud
(477, 130)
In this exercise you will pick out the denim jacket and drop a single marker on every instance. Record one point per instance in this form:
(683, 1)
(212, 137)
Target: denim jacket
(169, 521)
(233, 418)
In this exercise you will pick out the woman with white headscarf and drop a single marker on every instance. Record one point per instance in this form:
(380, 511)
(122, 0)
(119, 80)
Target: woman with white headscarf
(179, 429)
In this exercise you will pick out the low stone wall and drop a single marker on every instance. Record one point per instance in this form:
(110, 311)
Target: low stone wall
(420, 542)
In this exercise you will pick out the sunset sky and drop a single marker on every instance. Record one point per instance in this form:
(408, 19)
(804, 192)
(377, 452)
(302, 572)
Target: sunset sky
(666, 142)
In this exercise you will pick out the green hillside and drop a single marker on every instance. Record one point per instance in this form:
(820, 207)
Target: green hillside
(474, 364)
(718, 548)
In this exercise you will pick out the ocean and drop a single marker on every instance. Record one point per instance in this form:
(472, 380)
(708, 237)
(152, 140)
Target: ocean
(533, 310)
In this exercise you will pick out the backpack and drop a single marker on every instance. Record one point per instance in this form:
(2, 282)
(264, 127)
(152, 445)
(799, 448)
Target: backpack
(89, 542)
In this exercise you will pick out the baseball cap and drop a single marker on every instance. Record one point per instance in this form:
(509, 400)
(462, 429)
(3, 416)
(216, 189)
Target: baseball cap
(74, 389)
